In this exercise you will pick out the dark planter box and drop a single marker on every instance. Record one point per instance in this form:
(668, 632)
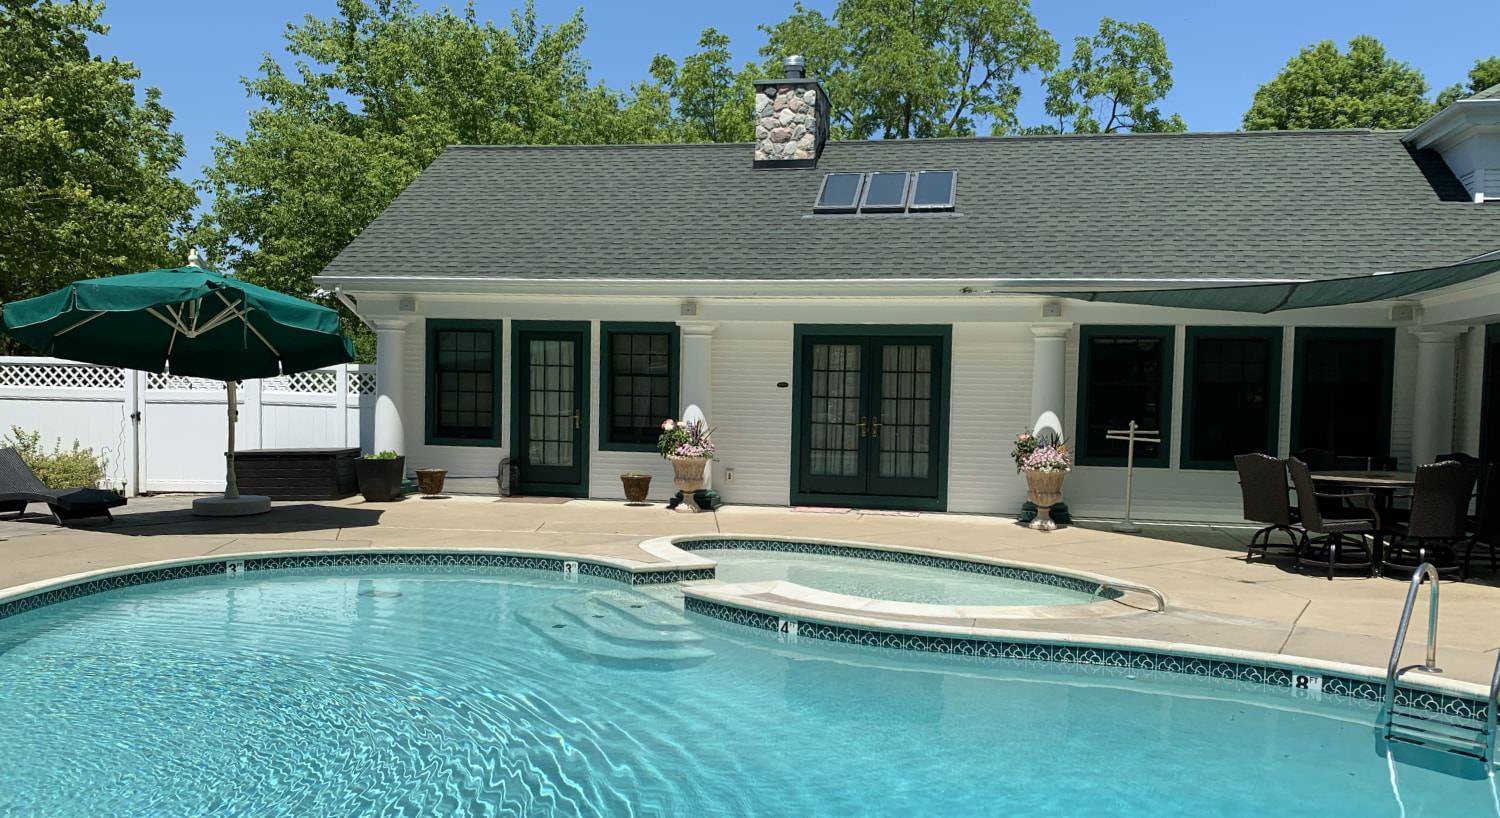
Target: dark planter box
(297, 474)
(380, 480)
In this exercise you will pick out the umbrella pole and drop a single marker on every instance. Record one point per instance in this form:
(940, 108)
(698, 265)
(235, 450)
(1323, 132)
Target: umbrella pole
(231, 485)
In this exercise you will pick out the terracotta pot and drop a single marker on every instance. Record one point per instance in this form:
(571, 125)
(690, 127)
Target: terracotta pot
(687, 474)
(1044, 489)
(430, 481)
(637, 486)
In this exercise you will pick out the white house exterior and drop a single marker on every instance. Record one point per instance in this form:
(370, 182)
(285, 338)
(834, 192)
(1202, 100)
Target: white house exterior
(867, 357)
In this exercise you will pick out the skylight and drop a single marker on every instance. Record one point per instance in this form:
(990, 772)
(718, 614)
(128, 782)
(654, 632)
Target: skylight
(839, 193)
(885, 192)
(933, 190)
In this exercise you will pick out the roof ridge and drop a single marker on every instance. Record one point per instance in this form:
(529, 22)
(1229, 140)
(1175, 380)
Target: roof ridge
(1300, 132)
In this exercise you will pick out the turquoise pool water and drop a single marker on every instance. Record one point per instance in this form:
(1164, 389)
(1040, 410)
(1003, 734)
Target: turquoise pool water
(878, 579)
(388, 691)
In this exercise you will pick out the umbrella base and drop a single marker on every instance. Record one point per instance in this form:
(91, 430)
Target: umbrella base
(241, 506)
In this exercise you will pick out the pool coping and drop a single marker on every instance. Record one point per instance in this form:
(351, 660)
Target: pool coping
(1442, 695)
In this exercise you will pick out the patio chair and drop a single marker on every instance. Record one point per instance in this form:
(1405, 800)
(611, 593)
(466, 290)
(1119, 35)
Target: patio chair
(1437, 522)
(1324, 536)
(1263, 492)
(19, 486)
(1485, 532)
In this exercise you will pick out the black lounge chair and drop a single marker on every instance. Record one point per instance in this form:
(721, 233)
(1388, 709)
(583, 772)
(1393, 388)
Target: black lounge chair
(1263, 491)
(1486, 533)
(19, 486)
(1333, 533)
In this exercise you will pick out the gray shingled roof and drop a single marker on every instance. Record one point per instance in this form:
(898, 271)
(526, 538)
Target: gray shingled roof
(1274, 204)
(1492, 92)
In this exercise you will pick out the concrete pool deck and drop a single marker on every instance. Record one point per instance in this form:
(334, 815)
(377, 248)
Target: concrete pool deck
(1214, 598)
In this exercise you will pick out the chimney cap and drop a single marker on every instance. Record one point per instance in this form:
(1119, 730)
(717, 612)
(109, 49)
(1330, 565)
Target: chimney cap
(796, 67)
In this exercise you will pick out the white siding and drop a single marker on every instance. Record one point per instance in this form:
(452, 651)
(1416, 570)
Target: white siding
(752, 416)
(989, 404)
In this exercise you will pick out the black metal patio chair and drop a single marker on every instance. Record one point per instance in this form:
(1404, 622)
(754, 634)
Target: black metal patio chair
(1263, 493)
(1485, 533)
(1438, 519)
(20, 487)
(1325, 537)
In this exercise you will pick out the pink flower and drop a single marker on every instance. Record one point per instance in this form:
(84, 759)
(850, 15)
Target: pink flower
(667, 425)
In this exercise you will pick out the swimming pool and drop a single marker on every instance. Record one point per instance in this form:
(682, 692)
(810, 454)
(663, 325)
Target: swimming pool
(476, 691)
(901, 582)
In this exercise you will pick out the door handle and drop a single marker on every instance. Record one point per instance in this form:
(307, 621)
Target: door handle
(875, 426)
(576, 418)
(861, 425)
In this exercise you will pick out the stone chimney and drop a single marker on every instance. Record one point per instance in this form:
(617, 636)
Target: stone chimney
(791, 119)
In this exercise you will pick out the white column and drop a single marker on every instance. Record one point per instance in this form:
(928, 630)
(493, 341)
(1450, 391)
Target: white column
(1048, 365)
(696, 383)
(390, 361)
(1432, 411)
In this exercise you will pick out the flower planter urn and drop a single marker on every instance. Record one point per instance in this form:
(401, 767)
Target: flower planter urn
(380, 479)
(687, 476)
(1044, 489)
(637, 486)
(430, 481)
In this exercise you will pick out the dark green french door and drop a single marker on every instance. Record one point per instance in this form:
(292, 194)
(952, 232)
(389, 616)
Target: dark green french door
(550, 372)
(871, 420)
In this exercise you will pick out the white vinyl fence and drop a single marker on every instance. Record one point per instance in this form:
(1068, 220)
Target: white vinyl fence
(167, 433)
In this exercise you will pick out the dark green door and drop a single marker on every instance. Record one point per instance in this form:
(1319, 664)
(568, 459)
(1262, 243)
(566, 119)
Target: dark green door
(551, 376)
(871, 421)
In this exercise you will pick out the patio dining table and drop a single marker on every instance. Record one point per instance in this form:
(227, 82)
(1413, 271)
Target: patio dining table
(1382, 484)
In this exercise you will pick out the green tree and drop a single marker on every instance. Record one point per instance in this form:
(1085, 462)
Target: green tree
(1323, 88)
(1485, 74)
(86, 185)
(709, 100)
(376, 92)
(1114, 82)
(916, 68)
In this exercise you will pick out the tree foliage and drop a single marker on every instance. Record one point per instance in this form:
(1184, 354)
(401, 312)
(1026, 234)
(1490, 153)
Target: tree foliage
(86, 185)
(916, 68)
(375, 93)
(1324, 88)
(1485, 74)
(1114, 82)
(707, 98)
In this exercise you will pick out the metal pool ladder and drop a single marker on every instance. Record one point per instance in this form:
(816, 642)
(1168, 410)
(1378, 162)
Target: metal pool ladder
(1452, 734)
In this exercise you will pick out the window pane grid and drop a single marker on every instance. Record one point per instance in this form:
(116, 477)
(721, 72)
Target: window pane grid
(464, 398)
(1231, 383)
(834, 444)
(1124, 383)
(1342, 397)
(551, 380)
(905, 410)
(640, 384)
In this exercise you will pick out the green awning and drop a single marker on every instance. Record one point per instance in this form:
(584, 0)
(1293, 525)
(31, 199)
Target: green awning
(1265, 298)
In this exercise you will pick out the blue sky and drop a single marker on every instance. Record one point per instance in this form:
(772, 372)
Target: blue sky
(195, 51)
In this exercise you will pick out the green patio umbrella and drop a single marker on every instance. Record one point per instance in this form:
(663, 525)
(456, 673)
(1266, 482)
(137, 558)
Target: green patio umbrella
(184, 321)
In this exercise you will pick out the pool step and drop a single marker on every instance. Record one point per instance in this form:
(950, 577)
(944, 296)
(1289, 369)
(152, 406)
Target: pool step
(595, 629)
(607, 620)
(641, 608)
(1465, 737)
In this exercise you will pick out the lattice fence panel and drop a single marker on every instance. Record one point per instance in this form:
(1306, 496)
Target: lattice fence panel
(318, 381)
(361, 383)
(61, 376)
(180, 383)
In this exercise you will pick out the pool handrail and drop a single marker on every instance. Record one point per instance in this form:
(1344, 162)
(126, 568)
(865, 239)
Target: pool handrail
(1121, 585)
(1424, 571)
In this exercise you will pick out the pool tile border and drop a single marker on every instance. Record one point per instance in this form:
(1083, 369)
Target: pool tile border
(989, 651)
(1083, 586)
(252, 563)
